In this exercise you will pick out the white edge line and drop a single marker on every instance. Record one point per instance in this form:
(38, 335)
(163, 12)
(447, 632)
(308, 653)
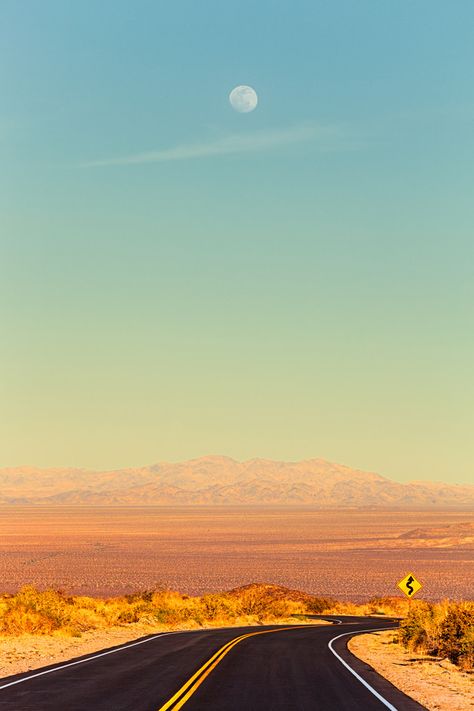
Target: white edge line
(352, 671)
(83, 661)
(104, 654)
(113, 651)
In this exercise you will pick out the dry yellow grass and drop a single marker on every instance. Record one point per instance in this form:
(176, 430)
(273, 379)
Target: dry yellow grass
(445, 629)
(46, 612)
(50, 612)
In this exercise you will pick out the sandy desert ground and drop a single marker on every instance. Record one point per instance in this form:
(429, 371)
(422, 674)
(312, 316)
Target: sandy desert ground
(351, 555)
(434, 682)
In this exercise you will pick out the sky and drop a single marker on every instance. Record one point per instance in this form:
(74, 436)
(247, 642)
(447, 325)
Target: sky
(178, 279)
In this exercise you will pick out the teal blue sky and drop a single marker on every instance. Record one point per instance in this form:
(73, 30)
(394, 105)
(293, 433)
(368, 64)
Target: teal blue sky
(180, 279)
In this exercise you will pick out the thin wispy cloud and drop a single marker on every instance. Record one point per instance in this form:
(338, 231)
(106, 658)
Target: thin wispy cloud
(325, 136)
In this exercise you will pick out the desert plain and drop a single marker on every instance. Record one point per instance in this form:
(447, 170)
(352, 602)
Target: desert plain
(347, 554)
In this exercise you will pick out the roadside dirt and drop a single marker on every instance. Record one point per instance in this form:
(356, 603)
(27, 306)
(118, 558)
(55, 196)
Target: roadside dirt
(435, 683)
(21, 654)
(28, 651)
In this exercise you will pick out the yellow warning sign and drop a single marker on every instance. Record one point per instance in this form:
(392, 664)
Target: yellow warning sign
(409, 585)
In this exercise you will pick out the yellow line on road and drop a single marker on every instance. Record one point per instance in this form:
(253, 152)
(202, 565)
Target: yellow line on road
(187, 690)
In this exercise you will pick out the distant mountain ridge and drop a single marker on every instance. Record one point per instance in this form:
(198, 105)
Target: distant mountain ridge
(218, 480)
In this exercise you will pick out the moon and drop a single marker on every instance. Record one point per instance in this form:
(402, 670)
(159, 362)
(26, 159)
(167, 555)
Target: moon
(243, 99)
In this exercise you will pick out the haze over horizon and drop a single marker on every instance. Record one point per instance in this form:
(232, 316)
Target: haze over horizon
(179, 278)
(215, 459)
(223, 481)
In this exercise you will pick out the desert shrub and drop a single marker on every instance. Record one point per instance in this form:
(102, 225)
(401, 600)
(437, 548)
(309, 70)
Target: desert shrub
(52, 612)
(318, 605)
(252, 602)
(34, 611)
(165, 617)
(388, 605)
(86, 603)
(456, 635)
(347, 608)
(420, 629)
(85, 618)
(170, 607)
(442, 629)
(286, 609)
(264, 602)
(217, 607)
(144, 595)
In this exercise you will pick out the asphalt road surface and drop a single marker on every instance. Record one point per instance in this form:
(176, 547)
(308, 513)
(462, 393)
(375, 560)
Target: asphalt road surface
(275, 668)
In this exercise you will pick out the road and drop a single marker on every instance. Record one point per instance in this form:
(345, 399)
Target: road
(232, 669)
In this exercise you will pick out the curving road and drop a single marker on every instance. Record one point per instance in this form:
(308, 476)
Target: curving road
(305, 668)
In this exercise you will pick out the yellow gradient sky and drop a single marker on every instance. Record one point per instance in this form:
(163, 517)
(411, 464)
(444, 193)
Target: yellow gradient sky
(179, 279)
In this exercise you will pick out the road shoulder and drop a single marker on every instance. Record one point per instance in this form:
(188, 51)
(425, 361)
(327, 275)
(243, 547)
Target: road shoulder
(436, 684)
(28, 651)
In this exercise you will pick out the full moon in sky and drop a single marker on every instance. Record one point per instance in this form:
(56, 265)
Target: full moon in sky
(243, 99)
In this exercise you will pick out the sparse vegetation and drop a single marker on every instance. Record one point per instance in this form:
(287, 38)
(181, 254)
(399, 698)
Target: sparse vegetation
(442, 630)
(52, 612)
(438, 629)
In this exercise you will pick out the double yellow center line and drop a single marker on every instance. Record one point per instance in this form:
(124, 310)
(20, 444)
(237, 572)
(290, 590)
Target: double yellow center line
(187, 690)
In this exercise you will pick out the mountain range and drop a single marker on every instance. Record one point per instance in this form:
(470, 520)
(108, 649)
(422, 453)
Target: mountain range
(215, 480)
